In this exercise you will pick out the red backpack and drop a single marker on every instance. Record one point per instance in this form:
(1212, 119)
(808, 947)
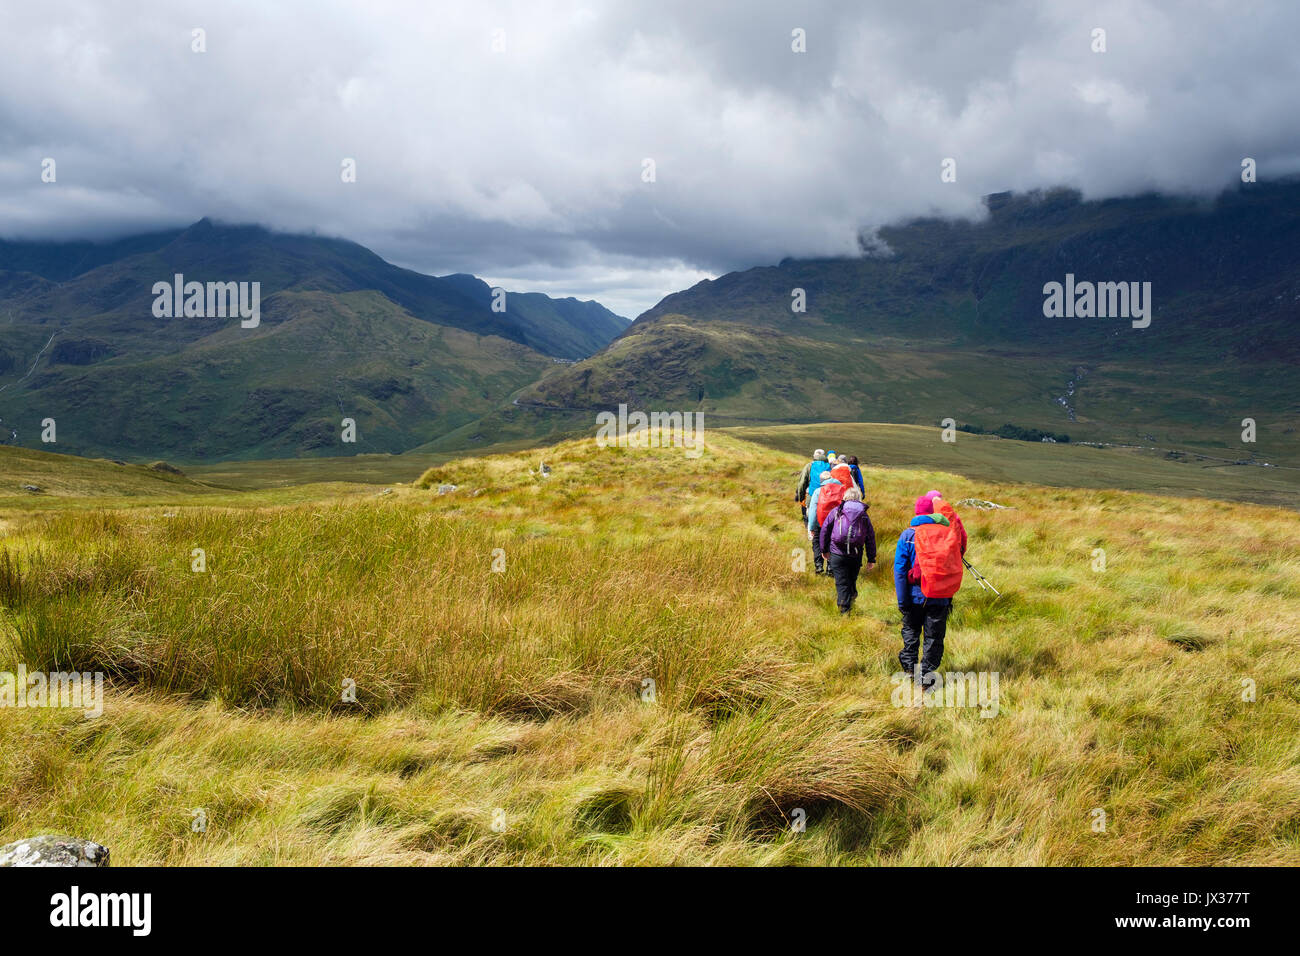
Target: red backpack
(832, 494)
(938, 554)
(830, 498)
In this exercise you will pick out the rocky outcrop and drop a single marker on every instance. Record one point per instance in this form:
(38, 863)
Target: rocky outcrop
(53, 851)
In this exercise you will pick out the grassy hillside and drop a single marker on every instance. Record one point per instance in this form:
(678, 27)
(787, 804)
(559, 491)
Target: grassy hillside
(505, 717)
(285, 387)
(61, 477)
(343, 333)
(371, 470)
(70, 483)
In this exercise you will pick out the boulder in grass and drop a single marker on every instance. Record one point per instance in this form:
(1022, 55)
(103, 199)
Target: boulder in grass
(446, 489)
(53, 851)
(34, 489)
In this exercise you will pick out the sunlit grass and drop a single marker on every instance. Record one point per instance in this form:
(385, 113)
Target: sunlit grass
(649, 680)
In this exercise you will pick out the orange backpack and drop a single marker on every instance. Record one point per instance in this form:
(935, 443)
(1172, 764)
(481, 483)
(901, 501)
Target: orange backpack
(938, 554)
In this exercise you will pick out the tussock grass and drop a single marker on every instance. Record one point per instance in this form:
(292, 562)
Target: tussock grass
(649, 680)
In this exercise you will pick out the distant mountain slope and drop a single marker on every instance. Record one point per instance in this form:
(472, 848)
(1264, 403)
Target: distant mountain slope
(60, 261)
(343, 334)
(120, 287)
(948, 322)
(282, 389)
(566, 328)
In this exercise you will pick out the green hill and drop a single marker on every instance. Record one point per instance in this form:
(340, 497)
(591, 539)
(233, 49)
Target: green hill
(945, 320)
(284, 388)
(40, 479)
(343, 334)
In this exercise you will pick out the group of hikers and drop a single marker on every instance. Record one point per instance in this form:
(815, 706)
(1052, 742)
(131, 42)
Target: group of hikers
(928, 560)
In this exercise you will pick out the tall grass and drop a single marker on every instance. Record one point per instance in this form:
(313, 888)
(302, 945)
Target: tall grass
(648, 679)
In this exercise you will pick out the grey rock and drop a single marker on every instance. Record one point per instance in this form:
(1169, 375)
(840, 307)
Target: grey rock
(980, 504)
(34, 489)
(445, 489)
(51, 850)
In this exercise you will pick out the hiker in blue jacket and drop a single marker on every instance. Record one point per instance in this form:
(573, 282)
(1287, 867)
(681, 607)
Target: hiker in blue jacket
(857, 474)
(814, 529)
(846, 537)
(810, 479)
(922, 617)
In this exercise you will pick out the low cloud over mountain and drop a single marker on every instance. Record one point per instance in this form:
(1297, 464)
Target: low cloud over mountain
(510, 139)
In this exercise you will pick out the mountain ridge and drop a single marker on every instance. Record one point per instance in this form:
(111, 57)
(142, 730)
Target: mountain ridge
(938, 320)
(404, 355)
(949, 324)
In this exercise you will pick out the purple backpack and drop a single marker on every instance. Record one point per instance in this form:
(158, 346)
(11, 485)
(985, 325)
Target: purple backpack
(849, 532)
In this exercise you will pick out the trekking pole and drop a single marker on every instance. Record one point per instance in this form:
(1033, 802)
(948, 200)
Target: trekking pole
(983, 581)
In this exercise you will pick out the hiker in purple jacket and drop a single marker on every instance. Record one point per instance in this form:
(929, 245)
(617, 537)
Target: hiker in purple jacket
(846, 536)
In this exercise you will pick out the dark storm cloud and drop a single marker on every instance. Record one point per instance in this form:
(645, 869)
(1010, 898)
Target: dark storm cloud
(525, 164)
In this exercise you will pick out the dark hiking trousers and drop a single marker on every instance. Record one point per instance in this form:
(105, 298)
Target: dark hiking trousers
(845, 569)
(816, 546)
(930, 620)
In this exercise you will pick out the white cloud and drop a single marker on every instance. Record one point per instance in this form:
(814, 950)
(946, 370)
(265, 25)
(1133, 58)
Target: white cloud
(526, 163)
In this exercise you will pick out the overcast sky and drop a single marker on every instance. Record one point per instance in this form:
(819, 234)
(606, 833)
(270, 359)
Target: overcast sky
(525, 164)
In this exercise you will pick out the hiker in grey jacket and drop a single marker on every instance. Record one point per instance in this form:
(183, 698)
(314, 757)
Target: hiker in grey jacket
(810, 478)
